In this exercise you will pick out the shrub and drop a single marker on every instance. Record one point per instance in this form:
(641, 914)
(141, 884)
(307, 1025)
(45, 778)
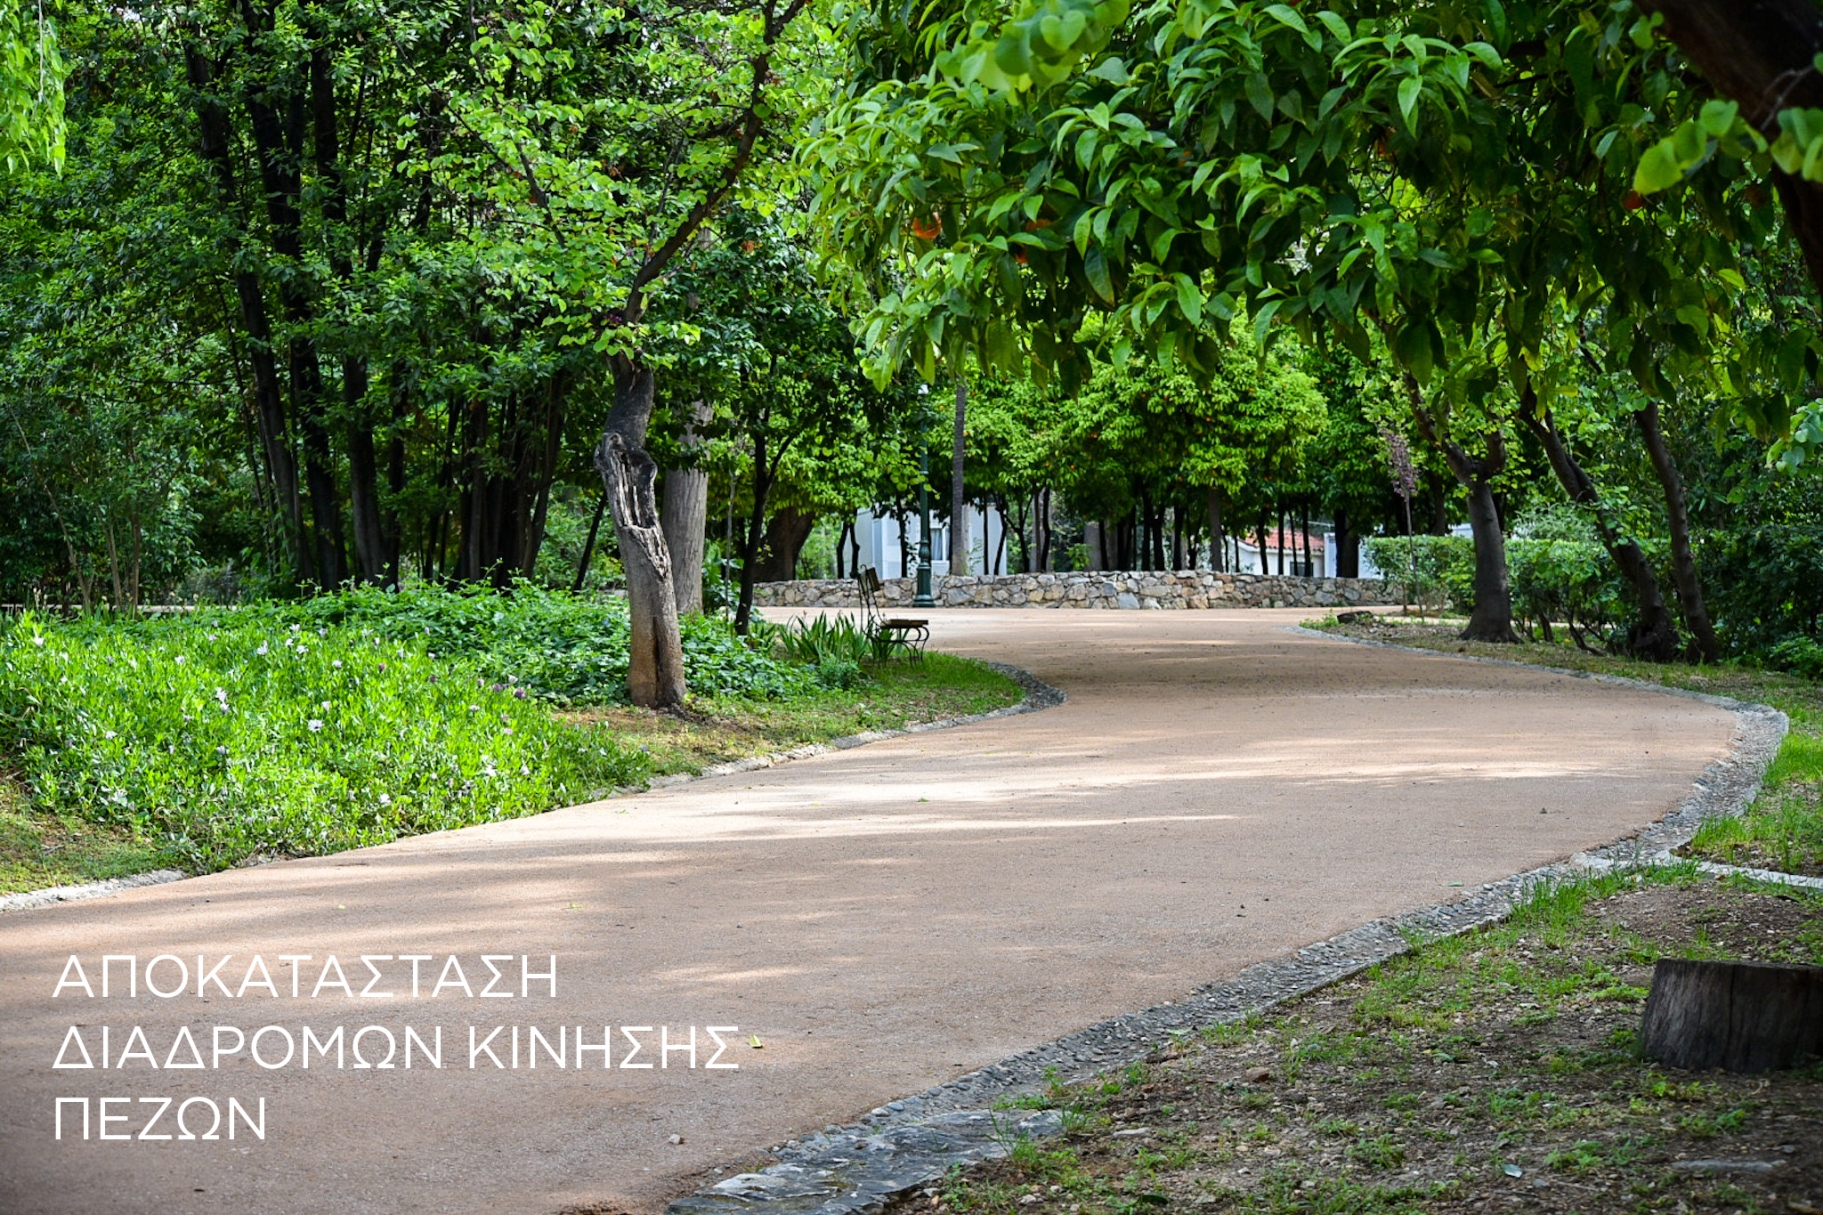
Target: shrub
(1573, 581)
(821, 639)
(560, 647)
(1430, 571)
(1799, 655)
(240, 733)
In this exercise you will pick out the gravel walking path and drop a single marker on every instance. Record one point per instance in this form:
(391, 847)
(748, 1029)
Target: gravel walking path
(1215, 791)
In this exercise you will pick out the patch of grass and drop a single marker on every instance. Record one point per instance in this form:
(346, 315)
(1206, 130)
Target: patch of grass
(895, 694)
(1474, 1102)
(39, 850)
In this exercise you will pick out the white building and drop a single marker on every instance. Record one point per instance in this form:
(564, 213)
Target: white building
(879, 540)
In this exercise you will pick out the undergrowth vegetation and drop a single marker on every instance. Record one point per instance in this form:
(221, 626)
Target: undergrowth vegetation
(202, 739)
(238, 734)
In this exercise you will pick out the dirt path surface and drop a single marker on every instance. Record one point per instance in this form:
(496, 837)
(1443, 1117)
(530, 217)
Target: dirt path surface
(1216, 791)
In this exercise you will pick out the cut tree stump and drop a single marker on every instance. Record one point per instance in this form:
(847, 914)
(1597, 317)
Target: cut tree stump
(1738, 1016)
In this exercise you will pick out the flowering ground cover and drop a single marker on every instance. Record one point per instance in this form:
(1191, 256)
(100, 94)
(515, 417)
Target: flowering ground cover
(206, 739)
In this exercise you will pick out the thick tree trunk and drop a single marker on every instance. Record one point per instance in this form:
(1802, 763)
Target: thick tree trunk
(786, 532)
(958, 528)
(655, 675)
(686, 513)
(1348, 553)
(1738, 1016)
(1218, 554)
(1759, 53)
(1683, 558)
(1492, 617)
(1653, 635)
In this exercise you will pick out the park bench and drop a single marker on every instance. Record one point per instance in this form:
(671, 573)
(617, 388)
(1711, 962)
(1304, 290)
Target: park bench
(888, 631)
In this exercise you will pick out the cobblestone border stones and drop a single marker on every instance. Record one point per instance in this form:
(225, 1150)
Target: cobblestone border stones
(1115, 589)
(908, 1143)
(51, 895)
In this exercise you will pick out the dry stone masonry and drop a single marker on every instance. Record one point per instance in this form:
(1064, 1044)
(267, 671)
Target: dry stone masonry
(1094, 589)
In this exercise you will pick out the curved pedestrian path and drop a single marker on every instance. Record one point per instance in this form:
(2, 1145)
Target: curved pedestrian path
(1217, 790)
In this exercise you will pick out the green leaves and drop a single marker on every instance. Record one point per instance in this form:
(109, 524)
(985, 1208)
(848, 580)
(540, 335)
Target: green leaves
(1799, 148)
(1688, 148)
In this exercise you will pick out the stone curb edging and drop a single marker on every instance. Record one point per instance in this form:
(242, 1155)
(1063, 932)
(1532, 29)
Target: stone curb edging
(1772, 877)
(1038, 695)
(907, 1143)
(50, 895)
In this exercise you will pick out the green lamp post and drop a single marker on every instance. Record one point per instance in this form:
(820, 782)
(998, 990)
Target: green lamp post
(923, 597)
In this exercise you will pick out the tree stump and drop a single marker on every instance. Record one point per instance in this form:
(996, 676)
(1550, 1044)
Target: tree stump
(1738, 1016)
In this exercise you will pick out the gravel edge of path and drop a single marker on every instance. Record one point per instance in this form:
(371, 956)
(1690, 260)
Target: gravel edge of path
(908, 1143)
(1038, 696)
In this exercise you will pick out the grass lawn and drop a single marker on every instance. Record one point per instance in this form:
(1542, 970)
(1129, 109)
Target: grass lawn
(228, 736)
(1782, 830)
(1495, 1071)
(719, 729)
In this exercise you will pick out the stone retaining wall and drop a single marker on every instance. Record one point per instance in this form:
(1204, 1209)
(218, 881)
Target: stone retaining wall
(1094, 589)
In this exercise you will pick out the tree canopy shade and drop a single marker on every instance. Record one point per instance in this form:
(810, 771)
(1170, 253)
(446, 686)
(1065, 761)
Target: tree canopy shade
(1456, 177)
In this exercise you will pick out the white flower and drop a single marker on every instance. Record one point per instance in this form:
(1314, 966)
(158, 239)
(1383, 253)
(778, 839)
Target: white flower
(324, 706)
(180, 660)
(110, 734)
(38, 641)
(262, 650)
(386, 799)
(315, 725)
(337, 664)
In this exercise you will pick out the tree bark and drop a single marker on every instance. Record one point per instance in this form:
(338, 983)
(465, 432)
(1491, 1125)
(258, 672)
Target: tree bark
(1758, 53)
(958, 527)
(1218, 555)
(216, 136)
(786, 531)
(1653, 635)
(1738, 1016)
(1348, 554)
(686, 516)
(655, 675)
(1492, 617)
(1683, 558)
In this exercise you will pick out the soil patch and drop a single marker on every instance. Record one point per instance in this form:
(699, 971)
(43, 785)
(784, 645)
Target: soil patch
(1491, 1072)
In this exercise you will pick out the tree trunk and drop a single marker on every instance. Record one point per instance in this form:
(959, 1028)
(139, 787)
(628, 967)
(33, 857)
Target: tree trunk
(1348, 554)
(655, 674)
(1759, 54)
(216, 137)
(1653, 635)
(753, 532)
(686, 513)
(588, 546)
(1738, 1016)
(786, 532)
(958, 526)
(1492, 617)
(1218, 554)
(1683, 559)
